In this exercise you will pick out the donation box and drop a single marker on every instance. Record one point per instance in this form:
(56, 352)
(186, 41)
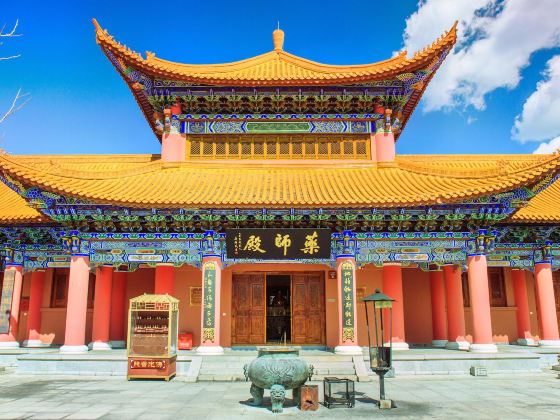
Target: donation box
(152, 337)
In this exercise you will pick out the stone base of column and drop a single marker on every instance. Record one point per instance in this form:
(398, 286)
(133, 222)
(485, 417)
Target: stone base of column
(210, 350)
(9, 345)
(35, 343)
(549, 343)
(73, 349)
(100, 345)
(483, 348)
(118, 344)
(439, 343)
(526, 342)
(398, 346)
(458, 345)
(348, 350)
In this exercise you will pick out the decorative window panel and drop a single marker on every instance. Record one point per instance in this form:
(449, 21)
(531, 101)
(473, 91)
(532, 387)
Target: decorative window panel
(278, 147)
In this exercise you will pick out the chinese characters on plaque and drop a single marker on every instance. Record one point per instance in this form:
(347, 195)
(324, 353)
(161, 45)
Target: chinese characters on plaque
(278, 244)
(159, 364)
(6, 302)
(347, 301)
(195, 297)
(208, 294)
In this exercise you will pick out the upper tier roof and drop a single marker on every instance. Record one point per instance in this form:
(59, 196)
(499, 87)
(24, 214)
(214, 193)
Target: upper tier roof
(277, 67)
(143, 181)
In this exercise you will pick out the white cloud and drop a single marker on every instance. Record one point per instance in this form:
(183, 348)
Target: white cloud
(550, 147)
(540, 119)
(495, 41)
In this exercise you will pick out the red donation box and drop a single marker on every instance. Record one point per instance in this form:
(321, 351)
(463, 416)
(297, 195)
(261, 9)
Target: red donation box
(185, 341)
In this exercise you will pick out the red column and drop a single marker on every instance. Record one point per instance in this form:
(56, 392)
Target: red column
(164, 279)
(102, 309)
(34, 313)
(9, 340)
(76, 310)
(210, 319)
(546, 305)
(119, 308)
(455, 310)
(525, 338)
(385, 140)
(437, 291)
(480, 304)
(347, 313)
(385, 147)
(173, 147)
(392, 287)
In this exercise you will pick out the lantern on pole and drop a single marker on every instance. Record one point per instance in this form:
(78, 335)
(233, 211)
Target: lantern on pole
(380, 353)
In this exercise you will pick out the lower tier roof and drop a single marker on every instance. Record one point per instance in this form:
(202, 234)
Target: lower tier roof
(543, 208)
(144, 181)
(14, 208)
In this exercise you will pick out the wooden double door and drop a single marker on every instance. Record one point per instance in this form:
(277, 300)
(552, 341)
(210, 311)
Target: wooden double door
(307, 292)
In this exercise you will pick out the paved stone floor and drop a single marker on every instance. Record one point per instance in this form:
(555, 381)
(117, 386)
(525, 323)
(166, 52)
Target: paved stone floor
(535, 396)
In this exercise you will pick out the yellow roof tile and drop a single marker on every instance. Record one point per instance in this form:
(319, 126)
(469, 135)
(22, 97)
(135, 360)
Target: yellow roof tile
(543, 208)
(14, 208)
(276, 67)
(145, 181)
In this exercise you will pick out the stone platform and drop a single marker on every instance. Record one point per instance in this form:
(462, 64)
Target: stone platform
(192, 367)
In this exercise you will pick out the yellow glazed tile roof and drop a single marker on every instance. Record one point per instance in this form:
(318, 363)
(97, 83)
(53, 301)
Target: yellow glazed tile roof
(277, 67)
(14, 208)
(144, 181)
(544, 207)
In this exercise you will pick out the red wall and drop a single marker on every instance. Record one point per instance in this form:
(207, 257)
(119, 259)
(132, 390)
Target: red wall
(417, 306)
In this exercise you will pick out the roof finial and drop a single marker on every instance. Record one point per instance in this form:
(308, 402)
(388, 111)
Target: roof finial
(278, 38)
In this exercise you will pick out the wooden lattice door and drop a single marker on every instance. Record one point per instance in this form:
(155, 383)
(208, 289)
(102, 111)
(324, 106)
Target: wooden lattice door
(248, 309)
(308, 308)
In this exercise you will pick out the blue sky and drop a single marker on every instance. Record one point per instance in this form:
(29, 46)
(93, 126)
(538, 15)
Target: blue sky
(80, 105)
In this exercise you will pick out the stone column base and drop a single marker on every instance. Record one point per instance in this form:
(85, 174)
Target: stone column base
(526, 342)
(348, 350)
(483, 348)
(100, 345)
(9, 345)
(549, 343)
(210, 350)
(73, 349)
(439, 343)
(118, 344)
(398, 346)
(35, 343)
(457, 345)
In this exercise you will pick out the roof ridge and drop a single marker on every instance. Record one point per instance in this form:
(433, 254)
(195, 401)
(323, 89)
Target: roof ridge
(503, 168)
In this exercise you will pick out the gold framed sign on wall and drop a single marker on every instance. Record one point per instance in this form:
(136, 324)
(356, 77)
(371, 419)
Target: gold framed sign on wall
(195, 296)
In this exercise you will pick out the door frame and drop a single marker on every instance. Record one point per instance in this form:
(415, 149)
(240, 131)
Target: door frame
(283, 273)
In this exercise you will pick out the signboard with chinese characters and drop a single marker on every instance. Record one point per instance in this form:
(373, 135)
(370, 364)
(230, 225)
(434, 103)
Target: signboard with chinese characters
(278, 244)
(209, 289)
(347, 271)
(6, 302)
(159, 364)
(195, 297)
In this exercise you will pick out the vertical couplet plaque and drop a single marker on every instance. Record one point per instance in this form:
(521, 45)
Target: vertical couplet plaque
(209, 293)
(347, 272)
(6, 302)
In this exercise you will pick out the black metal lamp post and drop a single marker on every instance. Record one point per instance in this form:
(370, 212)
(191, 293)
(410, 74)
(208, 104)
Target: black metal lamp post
(379, 354)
